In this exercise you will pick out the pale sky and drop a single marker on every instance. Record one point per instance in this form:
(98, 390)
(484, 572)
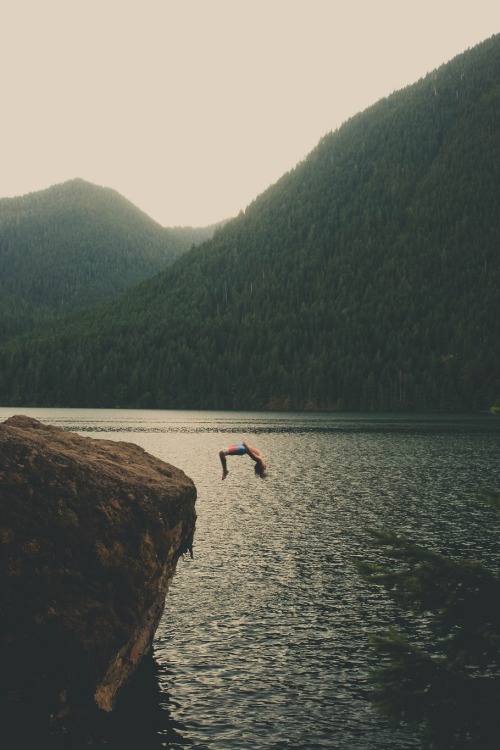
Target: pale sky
(191, 108)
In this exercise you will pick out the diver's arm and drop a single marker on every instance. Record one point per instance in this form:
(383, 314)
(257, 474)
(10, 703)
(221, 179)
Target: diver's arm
(249, 451)
(254, 454)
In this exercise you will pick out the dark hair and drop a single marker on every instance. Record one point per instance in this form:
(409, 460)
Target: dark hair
(259, 469)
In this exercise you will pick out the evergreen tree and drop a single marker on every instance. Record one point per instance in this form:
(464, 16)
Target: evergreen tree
(368, 277)
(442, 678)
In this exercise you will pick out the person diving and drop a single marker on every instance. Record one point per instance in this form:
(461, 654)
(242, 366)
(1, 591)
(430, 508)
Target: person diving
(243, 449)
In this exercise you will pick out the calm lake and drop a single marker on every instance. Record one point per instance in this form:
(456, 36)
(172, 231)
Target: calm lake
(264, 640)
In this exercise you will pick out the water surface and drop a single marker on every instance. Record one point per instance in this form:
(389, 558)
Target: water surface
(264, 640)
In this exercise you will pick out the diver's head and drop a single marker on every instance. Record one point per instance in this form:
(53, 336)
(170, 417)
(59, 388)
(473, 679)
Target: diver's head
(259, 470)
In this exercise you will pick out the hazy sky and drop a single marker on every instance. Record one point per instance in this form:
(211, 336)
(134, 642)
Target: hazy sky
(191, 108)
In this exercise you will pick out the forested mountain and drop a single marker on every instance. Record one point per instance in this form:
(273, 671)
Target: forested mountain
(75, 245)
(366, 278)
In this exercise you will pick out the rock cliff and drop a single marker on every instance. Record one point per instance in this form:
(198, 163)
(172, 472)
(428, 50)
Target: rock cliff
(90, 534)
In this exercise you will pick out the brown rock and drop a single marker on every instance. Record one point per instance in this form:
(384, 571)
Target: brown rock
(90, 534)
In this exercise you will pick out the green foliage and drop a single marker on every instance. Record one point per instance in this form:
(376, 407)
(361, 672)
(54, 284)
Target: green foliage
(367, 278)
(73, 246)
(442, 679)
(490, 498)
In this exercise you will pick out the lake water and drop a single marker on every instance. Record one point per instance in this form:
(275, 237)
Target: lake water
(264, 640)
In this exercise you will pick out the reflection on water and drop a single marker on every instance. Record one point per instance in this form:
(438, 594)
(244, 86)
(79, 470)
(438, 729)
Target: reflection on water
(143, 717)
(142, 720)
(264, 641)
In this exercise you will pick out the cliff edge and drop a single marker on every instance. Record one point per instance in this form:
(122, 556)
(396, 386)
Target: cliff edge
(90, 534)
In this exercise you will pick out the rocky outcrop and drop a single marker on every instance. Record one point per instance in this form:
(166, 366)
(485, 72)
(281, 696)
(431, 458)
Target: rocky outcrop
(90, 534)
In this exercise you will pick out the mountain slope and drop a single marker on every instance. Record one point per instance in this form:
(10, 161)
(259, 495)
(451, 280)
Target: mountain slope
(73, 246)
(366, 278)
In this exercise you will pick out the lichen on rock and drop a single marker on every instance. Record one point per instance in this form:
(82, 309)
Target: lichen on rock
(90, 534)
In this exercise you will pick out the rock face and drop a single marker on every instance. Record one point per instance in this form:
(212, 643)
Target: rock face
(90, 534)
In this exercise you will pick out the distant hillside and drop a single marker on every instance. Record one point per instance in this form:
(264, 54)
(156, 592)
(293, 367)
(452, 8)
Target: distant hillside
(189, 236)
(73, 246)
(366, 278)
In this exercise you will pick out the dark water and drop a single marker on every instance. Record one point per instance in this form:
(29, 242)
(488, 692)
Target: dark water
(264, 641)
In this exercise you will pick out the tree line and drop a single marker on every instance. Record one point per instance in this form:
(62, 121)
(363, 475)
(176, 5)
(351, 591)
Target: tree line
(367, 278)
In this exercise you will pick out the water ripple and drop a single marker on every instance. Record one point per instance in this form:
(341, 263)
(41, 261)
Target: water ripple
(264, 640)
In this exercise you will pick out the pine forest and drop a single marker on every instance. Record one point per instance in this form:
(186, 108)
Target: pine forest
(366, 278)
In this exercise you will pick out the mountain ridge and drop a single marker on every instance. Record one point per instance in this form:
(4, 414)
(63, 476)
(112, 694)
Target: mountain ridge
(365, 278)
(75, 245)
